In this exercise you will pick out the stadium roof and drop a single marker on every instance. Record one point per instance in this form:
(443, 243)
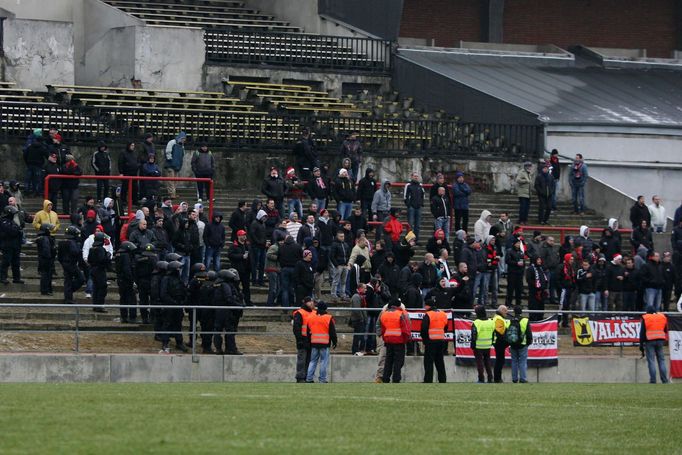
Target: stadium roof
(567, 95)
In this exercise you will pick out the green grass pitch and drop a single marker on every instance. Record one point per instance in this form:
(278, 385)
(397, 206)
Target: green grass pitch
(340, 418)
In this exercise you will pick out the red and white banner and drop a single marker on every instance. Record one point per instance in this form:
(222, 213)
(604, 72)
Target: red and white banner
(675, 342)
(542, 353)
(606, 332)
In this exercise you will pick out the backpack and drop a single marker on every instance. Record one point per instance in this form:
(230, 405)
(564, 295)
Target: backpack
(513, 333)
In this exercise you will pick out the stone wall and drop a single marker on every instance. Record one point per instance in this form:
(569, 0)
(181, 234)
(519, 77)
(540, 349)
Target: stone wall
(38, 53)
(282, 368)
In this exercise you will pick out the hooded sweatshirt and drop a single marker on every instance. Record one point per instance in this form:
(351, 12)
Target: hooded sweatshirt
(585, 241)
(46, 217)
(381, 202)
(482, 226)
(214, 232)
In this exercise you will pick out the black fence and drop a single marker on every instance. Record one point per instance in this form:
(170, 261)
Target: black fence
(298, 50)
(243, 130)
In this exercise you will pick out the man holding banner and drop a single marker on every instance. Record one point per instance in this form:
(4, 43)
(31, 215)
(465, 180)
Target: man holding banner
(652, 336)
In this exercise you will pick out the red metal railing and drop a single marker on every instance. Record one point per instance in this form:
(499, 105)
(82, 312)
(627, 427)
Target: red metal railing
(130, 179)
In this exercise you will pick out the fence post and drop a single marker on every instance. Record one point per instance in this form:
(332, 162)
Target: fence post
(211, 196)
(195, 358)
(78, 330)
(130, 195)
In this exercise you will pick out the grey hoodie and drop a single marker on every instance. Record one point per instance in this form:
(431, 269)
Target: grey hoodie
(382, 198)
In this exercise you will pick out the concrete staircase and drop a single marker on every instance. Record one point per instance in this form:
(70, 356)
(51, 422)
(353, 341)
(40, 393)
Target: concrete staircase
(226, 201)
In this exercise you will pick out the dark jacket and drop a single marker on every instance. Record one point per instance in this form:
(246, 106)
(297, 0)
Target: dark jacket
(290, 253)
(325, 232)
(51, 168)
(101, 162)
(36, 153)
(642, 237)
(305, 153)
(256, 234)
(236, 256)
(214, 232)
(273, 188)
(613, 271)
(366, 187)
(203, 163)
(543, 185)
(461, 192)
(71, 168)
(471, 258)
(609, 244)
(585, 284)
(639, 213)
(128, 163)
(315, 189)
(237, 222)
(440, 206)
(304, 275)
(414, 195)
(344, 190)
(652, 275)
(339, 254)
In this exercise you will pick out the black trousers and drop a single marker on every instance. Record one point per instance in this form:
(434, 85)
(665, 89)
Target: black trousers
(99, 285)
(246, 287)
(302, 361)
(395, 359)
(228, 321)
(126, 294)
(544, 208)
(172, 322)
(73, 281)
(433, 354)
(46, 268)
(207, 321)
(535, 302)
(102, 189)
(358, 340)
(500, 346)
(144, 294)
(514, 288)
(461, 219)
(482, 357)
(11, 256)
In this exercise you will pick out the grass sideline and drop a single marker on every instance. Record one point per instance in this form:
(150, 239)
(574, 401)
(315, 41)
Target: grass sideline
(339, 418)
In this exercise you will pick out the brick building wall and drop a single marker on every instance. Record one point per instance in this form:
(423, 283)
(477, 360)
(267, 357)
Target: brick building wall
(650, 24)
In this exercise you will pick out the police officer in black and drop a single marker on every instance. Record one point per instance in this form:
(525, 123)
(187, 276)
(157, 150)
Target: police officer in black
(207, 316)
(99, 261)
(46, 256)
(70, 256)
(125, 278)
(198, 277)
(10, 245)
(227, 294)
(173, 295)
(145, 263)
(160, 270)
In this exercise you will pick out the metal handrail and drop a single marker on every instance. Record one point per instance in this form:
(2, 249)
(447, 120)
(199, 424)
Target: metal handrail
(130, 179)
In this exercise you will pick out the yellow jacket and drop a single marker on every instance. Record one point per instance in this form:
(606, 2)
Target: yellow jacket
(46, 215)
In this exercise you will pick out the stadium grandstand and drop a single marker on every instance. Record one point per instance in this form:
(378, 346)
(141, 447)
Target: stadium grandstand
(209, 120)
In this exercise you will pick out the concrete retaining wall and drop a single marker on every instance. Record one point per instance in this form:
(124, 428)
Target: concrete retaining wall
(269, 368)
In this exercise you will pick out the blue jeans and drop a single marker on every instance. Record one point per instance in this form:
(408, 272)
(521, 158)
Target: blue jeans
(212, 257)
(483, 280)
(273, 288)
(371, 340)
(578, 195)
(184, 272)
(601, 302)
(295, 205)
(519, 363)
(321, 356)
(321, 204)
(257, 257)
(587, 302)
(524, 209)
(286, 288)
(654, 353)
(653, 297)
(414, 217)
(444, 224)
(345, 209)
(339, 276)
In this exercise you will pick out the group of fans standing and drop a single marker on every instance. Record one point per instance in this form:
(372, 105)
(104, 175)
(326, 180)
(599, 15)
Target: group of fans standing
(170, 254)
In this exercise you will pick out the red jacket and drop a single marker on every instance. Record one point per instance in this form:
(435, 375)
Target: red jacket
(393, 227)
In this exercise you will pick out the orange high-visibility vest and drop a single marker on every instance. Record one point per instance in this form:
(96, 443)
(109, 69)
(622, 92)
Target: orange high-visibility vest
(305, 316)
(319, 328)
(437, 323)
(391, 321)
(655, 326)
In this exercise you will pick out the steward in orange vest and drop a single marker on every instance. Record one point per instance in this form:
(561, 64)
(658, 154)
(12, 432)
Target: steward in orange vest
(652, 337)
(434, 326)
(300, 322)
(322, 334)
(395, 330)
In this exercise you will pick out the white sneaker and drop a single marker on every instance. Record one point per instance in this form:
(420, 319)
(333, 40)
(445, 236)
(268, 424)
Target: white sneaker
(88, 296)
(359, 354)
